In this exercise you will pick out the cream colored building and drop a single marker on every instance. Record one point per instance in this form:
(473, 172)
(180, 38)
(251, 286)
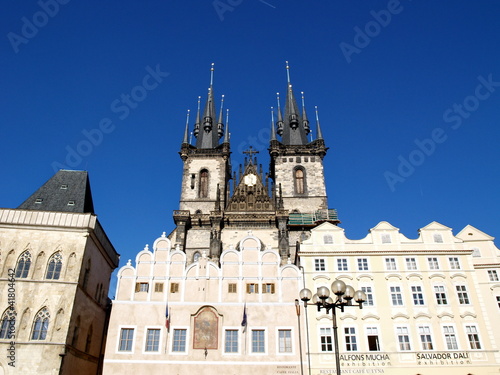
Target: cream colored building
(55, 268)
(432, 301)
(206, 306)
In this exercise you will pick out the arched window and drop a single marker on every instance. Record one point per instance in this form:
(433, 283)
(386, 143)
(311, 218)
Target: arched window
(196, 256)
(7, 324)
(89, 339)
(54, 267)
(76, 332)
(299, 181)
(41, 325)
(23, 265)
(86, 275)
(203, 183)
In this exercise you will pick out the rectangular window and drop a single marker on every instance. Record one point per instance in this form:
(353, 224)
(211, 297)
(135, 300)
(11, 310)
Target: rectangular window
(179, 340)
(425, 337)
(141, 287)
(396, 296)
(174, 288)
(418, 296)
(454, 263)
(252, 288)
(492, 274)
(325, 335)
(327, 239)
(342, 264)
(403, 338)
(440, 295)
(450, 338)
(319, 264)
(463, 296)
(231, 288)
(386, 238)
(231, 345)
(350, 339)
(433, 263)
(268, 288)
(390, 264)
(473, 337)
(258, 341)
(285, 340)
(438, 238)
(362, 264)
(152, 340)
(369, 295)
(411, 264)
(372, 335)
(126, 339)
(159, 287)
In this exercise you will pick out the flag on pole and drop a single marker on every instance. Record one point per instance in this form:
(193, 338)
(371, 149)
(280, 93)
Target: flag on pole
(244, 321)
(167, 319)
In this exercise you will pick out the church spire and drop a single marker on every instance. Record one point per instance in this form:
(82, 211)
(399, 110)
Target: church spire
(186, 130)
(207, 136)
(226, 133)
(319, 134)
(305, 121)
(294, 132)
(273, 130)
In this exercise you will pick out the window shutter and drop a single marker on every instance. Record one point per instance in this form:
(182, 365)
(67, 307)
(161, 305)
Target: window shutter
(137, 287)
(272, 288)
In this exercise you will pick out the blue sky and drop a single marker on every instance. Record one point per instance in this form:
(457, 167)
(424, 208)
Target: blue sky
(408, 95)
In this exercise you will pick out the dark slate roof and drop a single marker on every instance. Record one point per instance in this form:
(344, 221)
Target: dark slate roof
(66, 191)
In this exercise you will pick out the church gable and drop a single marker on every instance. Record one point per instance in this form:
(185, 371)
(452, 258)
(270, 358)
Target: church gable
(250, 195)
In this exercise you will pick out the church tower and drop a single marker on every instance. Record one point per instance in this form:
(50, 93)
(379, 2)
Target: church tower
(296, 164)
(205, 179)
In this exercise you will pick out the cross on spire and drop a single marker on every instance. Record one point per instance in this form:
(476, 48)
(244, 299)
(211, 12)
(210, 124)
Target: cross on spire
(250, 152)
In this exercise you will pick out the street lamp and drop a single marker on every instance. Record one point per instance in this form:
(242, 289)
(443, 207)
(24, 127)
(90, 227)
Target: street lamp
(345, 294)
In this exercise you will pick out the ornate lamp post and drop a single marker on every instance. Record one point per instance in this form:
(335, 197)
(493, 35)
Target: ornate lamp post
(344, 296)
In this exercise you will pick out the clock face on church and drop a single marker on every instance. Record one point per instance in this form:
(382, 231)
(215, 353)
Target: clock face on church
(250, 179)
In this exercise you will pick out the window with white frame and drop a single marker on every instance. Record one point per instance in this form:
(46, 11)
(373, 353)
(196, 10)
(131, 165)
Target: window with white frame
(473, 337)
(440, 294)
(325, 335)
(450, 338)
(438, 238)
(351, 344)
(433, 263)
(285, 340)
(417, 295)
(425, 337)
(319, 264)
(327, 239)
(179, 340)
(403, 338)
(411, 264)
(231, 341)
(463, 296)
(396, 296)
(493, 275)
(454, 263)
(342, 264)
(390, 264)
(152, 340)
(369, 295)
(386, 238)
(126, 340)
(476, 253)
(362, 264)
(372, 336)
(258, 341)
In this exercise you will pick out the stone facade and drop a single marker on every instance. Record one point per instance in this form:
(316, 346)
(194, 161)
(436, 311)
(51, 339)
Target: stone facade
(63, 284)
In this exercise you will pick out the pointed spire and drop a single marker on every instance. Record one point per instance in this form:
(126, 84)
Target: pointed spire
(186, 131)
(220, 124)
(198, 120)
(226, 133)
(305, 121)
(287, 72)
(319, 134)
(208, 138)
(273, 130)
(279, 124)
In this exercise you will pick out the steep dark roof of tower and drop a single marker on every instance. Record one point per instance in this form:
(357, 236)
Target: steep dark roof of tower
(66, 191)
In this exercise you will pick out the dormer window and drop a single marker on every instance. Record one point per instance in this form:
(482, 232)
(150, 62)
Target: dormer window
(64, 187)
(71, 203)
(39, 200)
